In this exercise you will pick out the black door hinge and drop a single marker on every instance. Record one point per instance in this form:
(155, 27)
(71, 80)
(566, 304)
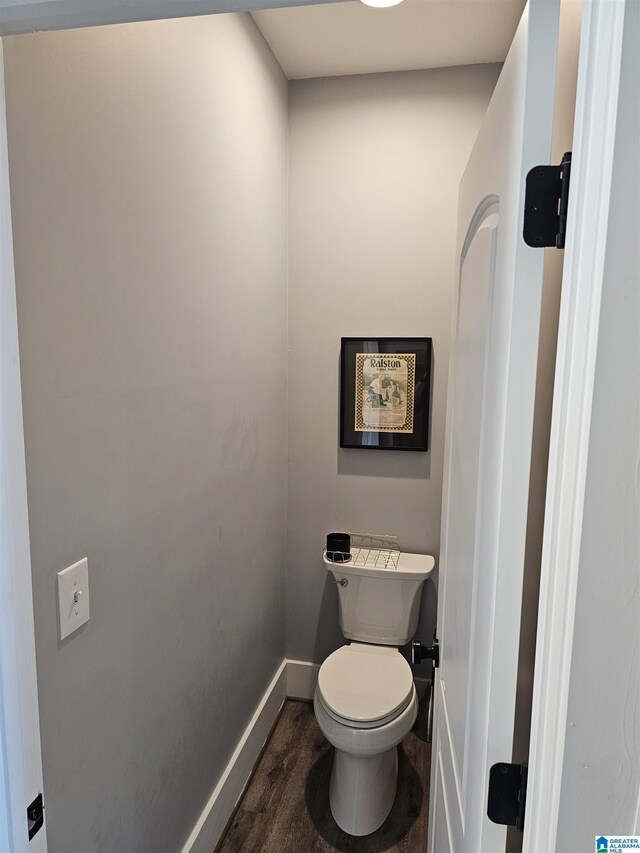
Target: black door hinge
(507, 794)
(545, 204)
(35, 816)
(420, 652)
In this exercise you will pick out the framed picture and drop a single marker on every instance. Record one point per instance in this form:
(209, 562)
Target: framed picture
(385, 390)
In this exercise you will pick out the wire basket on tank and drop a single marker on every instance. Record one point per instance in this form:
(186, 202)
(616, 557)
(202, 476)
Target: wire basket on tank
(370, 550)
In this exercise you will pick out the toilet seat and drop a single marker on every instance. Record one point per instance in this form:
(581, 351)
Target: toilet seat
(355, 724)
(365, 686)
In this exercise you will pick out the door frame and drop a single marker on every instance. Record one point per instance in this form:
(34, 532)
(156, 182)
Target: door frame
(20, 758)
(592, 167)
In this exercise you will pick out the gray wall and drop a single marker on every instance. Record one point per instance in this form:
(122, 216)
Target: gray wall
(148, 169)
(375, 163)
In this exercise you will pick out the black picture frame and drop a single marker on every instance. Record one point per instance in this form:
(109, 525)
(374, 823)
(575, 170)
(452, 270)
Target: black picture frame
(404, 425)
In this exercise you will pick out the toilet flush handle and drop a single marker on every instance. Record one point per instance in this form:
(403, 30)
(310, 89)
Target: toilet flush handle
(343, 582)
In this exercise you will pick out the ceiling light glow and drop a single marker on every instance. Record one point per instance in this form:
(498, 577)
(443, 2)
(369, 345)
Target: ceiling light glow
(381, 4)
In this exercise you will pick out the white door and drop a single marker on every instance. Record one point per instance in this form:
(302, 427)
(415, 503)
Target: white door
(488, 447)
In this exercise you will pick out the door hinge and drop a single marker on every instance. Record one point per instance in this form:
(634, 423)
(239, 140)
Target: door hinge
(545, 204)
(507, 794)
(420, 652)
(35, 816)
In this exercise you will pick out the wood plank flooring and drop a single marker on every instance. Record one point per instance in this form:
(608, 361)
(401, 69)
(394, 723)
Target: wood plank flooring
(286, 806)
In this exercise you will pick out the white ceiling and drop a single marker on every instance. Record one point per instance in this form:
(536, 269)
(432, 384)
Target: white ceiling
(27, 16)
(351, 38)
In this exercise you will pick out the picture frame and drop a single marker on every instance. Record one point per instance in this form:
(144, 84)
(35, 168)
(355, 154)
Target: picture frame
(385, 393)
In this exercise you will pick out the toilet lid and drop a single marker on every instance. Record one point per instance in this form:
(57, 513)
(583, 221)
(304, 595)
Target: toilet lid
(364, 683)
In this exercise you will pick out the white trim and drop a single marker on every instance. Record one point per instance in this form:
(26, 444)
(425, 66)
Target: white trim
(302, 677)
(593, 149)
(20, 759)
(211, 824)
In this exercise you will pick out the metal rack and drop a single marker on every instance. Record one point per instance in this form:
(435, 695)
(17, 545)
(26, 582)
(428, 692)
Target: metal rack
(371, 550)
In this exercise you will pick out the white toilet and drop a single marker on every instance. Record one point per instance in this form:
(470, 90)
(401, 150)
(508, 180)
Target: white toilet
(365, 702)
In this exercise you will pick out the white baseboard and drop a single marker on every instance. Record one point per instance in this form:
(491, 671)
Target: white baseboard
(302, 678)
(294, 679)
(214, 818)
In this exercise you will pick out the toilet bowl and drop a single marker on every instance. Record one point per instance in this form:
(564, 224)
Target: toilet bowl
(365, 704)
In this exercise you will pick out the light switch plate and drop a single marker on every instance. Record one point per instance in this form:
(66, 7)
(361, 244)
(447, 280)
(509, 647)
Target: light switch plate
(73, 597)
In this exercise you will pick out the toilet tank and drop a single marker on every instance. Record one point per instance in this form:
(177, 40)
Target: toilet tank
(378, 604)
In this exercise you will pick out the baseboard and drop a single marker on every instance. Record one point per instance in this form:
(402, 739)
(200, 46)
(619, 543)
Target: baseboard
(214, 818)
(302, 678)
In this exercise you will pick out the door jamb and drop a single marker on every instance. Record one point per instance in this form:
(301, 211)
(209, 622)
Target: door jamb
(592, 166)
(20, 757)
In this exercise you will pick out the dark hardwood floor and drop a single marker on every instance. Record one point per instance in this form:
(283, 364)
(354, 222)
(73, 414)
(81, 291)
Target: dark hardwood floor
(285, 809)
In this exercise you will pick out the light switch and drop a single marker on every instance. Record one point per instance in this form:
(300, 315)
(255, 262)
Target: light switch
(73, 597)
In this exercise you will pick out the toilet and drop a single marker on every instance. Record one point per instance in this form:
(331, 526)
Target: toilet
(365, 700)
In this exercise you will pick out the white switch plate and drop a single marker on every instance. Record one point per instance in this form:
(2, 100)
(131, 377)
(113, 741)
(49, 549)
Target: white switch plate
(73, 597)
